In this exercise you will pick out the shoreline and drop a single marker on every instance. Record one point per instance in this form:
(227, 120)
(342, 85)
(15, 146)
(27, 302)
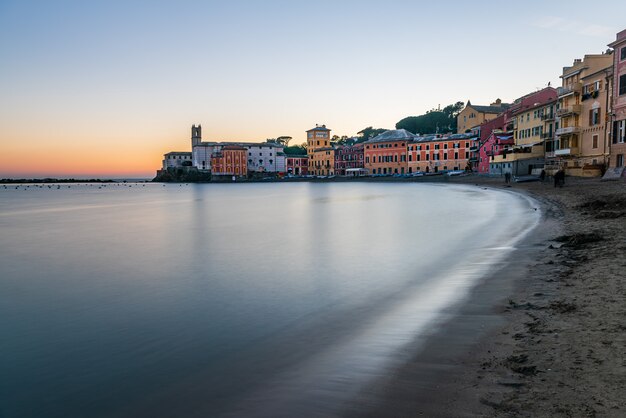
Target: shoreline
(522, 344)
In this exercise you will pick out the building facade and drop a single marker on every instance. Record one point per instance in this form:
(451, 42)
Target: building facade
(577, 120)
(176, 159)
(475, 115)
(618, 102)
(386, 153)
(348, 157)
(297, 165)
(321, 154)
(265, 157)
(230, 160)
(434, 153)
(488, 144)
(519, 148)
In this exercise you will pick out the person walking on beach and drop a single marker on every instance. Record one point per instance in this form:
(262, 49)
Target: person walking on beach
(559, 178)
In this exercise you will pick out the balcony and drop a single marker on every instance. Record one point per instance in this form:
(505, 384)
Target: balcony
(571, 89)
(547, 116)
(569, 110)
(547, 135)
(567, 130)
(565, 152)
(505, 141)
(474, 148)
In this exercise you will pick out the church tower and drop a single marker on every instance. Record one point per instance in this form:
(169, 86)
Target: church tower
(196, 135)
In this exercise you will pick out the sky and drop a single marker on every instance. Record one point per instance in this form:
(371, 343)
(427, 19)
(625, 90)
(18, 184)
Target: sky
(105, 88)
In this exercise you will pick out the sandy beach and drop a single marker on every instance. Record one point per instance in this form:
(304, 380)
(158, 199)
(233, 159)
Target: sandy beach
(544, 335)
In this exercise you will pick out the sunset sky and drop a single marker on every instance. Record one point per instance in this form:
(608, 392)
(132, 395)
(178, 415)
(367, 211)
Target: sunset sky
(104, 88)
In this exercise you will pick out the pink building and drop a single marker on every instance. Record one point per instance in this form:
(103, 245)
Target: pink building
(618, 129)
(347, 157)
(487, 142)
(298, 165)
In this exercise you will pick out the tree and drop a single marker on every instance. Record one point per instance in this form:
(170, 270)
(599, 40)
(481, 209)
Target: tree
(284, 140)
(433, 121)
(295, 150)
(368, 133)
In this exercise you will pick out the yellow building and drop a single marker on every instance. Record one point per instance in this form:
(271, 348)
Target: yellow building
(521, 146)
(320, 152)
(581, 134)
(474, 115)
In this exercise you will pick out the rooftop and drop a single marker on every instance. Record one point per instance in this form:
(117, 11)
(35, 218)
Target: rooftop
(393, 135)
(319, 128)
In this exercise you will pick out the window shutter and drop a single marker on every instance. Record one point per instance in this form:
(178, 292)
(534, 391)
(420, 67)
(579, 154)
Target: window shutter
(590, 117)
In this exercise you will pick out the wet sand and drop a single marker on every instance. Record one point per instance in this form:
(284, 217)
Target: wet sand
(544, 335)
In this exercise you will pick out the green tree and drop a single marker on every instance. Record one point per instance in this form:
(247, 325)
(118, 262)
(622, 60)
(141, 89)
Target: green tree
(433, 121)
(295, 150)
(368, 133)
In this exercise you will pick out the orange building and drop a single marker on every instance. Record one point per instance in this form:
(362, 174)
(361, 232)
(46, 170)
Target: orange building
(431, 154)
(321, 154)
(387, 152)
(231, 160)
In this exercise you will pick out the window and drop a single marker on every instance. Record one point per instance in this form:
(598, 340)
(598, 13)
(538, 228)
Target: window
(619, 132)
(622, 84)
(594, 117)
(622, 54)
(594, 141)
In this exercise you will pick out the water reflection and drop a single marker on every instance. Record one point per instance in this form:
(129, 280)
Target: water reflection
(229, 299)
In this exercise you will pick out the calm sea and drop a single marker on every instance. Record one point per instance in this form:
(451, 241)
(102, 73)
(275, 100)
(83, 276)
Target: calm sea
(229, 300)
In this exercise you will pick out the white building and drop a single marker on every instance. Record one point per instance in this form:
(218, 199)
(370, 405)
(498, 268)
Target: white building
(176, 159)
(265, 157)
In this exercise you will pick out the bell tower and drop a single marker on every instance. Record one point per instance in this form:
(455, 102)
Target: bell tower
(196, 135)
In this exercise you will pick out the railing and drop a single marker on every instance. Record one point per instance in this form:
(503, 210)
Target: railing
(567, 130)
(569, 110)
(547, 116)
(547, 135)
(565, 151)
(572, 88)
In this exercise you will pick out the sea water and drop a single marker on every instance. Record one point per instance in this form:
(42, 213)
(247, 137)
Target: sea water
(131, 299)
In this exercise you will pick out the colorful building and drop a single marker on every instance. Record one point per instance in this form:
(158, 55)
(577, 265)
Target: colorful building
(577, 120)
(297, 165)
(230, 160)
(618, 101)
(387, 153)
(321, 154)
(492, 138)
(434, 153)
(474, 115)
(519, 148)
(348, 157)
